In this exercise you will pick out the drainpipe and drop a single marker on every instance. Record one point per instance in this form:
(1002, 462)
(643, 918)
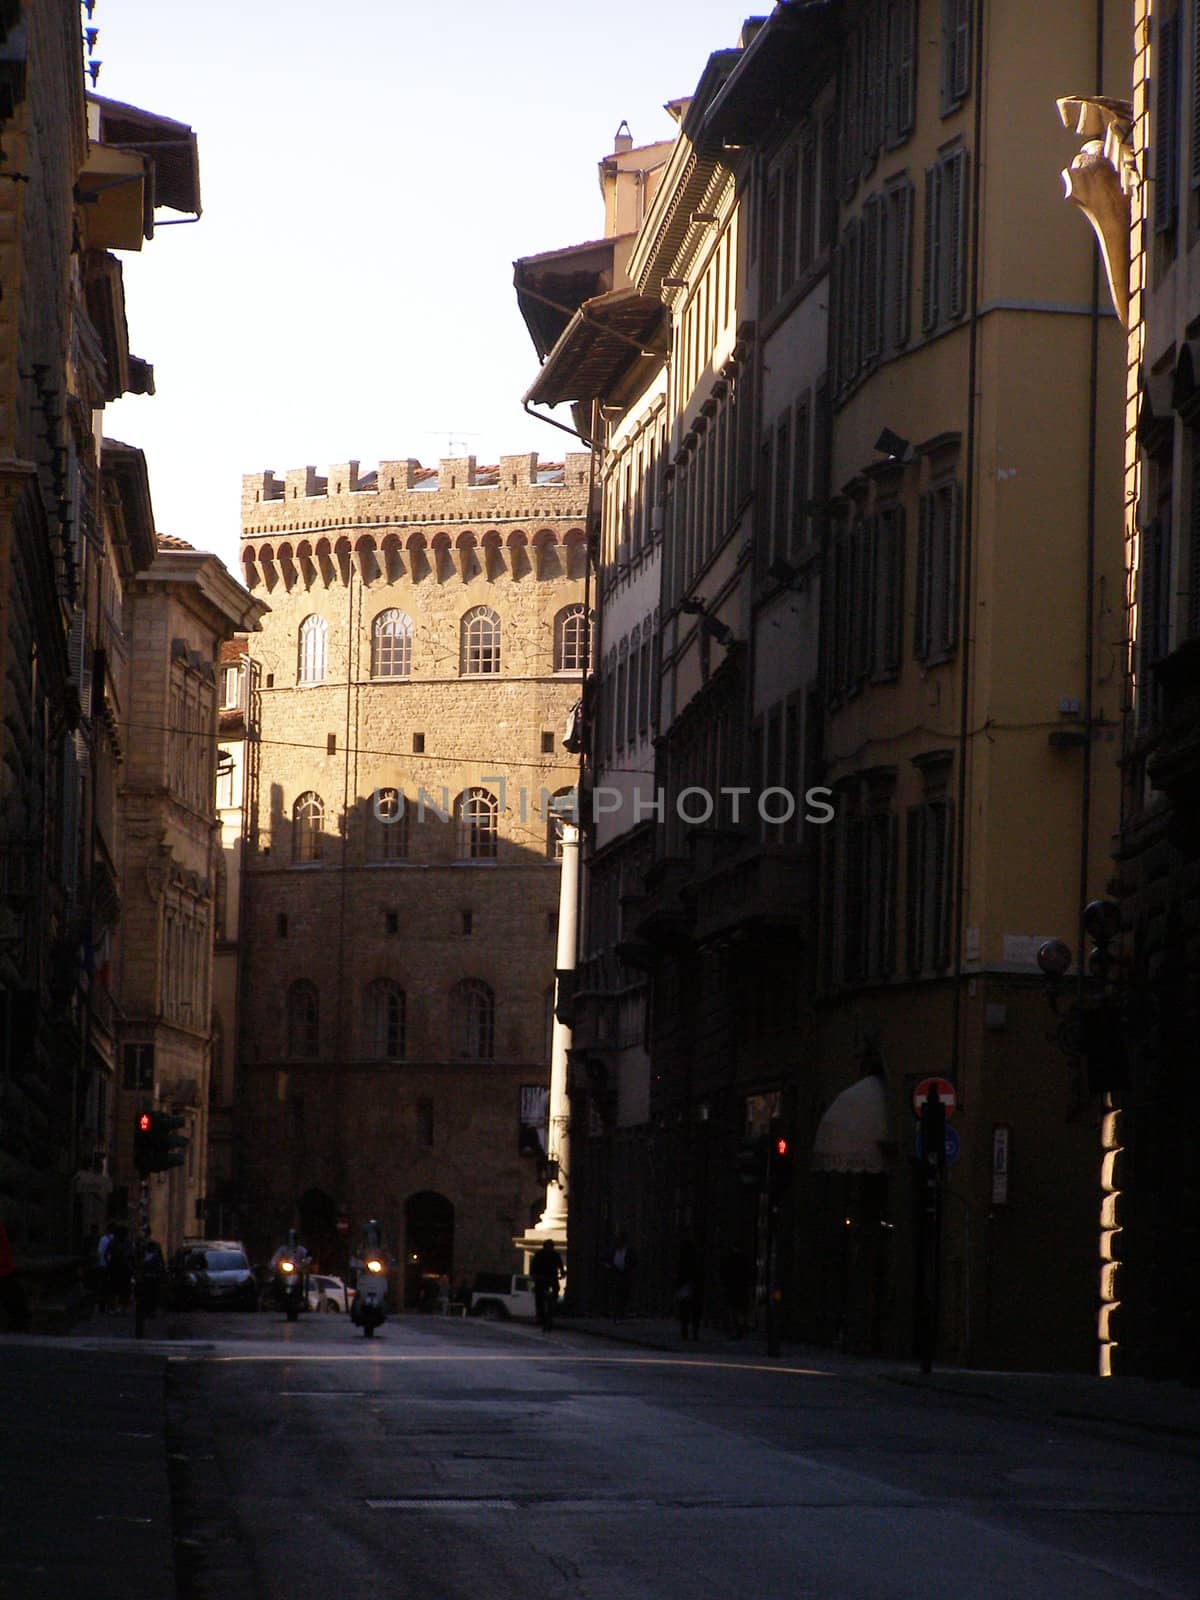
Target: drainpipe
(965, 602)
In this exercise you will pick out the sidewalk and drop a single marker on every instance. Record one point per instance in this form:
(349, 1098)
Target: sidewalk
(83, 1473)
(1127, 1406)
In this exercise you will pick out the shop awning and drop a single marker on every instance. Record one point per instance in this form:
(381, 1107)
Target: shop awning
(853, 1132)
(602, 341)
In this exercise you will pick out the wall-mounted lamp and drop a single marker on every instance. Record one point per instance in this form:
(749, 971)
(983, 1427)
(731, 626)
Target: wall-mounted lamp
(891, 444)
(693, 608)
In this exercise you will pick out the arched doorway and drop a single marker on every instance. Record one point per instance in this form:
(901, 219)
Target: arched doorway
(318, 1226)
(428, 1245)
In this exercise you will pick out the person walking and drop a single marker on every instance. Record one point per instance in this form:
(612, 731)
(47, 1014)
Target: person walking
(118, 1270)
(546, 1269)
(689, 1289)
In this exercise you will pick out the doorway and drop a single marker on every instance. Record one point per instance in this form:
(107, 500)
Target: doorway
(428, 1247)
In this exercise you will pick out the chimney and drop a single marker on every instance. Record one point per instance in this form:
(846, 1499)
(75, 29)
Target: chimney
(623, 140)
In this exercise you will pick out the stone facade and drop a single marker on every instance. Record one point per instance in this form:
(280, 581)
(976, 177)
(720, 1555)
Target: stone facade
(381, 1090)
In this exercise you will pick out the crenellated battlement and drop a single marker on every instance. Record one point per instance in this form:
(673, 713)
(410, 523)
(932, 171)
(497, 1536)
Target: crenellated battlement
(406, 491)
(456, 520)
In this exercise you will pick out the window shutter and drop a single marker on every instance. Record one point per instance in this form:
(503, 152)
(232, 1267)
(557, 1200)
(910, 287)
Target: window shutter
(914, 880)
(942, 822)
(800, 481)
(956, 233)
(1166, 126)
(961, 71)
(921, 601)
(864, 600)
(891, 851)
(897, 270)
(931, 272)
(1196, 94)
(851, 305)
(854, 920)
(950, 541)
(871, 279)
(902, 73)
(806, 243)
(891, 589)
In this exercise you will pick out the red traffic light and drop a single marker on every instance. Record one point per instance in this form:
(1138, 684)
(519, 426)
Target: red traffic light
(781, 1147)
(144, 1122)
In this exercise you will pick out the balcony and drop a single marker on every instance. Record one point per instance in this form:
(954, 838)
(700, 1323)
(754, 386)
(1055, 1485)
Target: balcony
(757, 887)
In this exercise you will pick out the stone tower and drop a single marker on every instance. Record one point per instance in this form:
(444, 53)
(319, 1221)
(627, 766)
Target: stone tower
(426, 642)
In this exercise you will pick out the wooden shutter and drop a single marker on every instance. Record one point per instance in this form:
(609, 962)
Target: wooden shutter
(950, 518)
(914, 898)
(890, 587)
(897, 265)
(961, 78)
(1195, 96)
(902, 69)
(921, 617)
(1166, 125)
(798, 529)
(931, 267)
(891, 845)
(806, 241)
(941, 818)
(871, 279)
(782, 487)
(954, 190)
(864, 599)
(788, 222)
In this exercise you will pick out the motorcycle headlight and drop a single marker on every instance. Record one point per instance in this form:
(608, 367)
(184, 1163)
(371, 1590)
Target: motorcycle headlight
(374, 1266)
(287, 1266)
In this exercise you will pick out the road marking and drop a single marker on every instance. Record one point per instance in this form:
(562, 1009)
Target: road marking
(474, 1358)
(442, 1505)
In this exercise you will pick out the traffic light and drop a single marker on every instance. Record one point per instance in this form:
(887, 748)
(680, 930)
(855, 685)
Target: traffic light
(157, 1144)
(143, 1157)
(752, 1164)
(168, 1145)
(779, 1167)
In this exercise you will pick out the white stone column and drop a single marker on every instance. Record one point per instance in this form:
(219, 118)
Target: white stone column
(553, 1220)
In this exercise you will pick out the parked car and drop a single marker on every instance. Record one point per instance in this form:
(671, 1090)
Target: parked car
(328, 1294)
(503, 1294)
(215, 1273)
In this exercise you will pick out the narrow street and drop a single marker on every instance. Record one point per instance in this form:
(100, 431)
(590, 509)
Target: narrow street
(450, 1459)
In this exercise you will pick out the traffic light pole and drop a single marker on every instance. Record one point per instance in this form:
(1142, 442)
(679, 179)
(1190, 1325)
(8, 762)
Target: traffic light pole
(773, 1345)
(933, 1158)
(139, 1259)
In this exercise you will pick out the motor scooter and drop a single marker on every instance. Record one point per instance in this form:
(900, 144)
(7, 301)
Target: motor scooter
(289, 1279)
(369, 1310)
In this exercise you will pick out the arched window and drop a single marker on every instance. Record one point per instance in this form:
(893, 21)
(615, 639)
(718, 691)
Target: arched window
(314, 650)
(391, 645)
(472, 1020)
(388, 828)
(476, 812)
(308, 823)
(570, 639)
(303, 1021)
(480, 642)
(384, 1020)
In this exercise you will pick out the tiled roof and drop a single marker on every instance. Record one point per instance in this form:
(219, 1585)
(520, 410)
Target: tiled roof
(168, 541)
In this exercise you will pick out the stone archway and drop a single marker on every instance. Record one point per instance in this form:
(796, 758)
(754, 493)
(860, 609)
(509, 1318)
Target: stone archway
(428, 1244)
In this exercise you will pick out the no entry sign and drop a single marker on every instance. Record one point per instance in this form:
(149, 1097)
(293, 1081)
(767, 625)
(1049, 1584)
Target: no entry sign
(944, 1090)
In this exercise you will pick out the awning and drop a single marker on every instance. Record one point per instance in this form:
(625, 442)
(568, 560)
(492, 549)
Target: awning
(602, 341)
(852, 1133)
(551, 287)
(169, 146)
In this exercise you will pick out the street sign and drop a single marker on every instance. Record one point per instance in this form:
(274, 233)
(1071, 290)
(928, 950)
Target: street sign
(944, 1090)
(952, 1146)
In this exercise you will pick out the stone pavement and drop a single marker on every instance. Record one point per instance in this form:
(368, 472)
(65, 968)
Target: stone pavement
(1125, 1407)
(84, 1494)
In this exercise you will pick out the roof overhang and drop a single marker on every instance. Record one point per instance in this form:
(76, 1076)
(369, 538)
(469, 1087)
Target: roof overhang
(127, 484)
(169, 147)
(604, 341)
(784, 61)
(552, 286)
(116, 190)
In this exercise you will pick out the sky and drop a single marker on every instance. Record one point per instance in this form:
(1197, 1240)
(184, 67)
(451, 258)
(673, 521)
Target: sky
(369, 172)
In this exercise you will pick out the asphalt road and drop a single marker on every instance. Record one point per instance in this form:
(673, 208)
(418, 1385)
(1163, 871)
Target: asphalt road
(447, 1459)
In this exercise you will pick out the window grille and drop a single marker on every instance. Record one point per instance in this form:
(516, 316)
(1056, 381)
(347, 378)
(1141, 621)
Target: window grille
(480, 642)
(391, 645)
(473, 1020)
(314, 650)
(476, 821)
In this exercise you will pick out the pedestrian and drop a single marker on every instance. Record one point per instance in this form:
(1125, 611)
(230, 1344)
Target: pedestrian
(154, 1272)
(735, 1286)
(622, 1264)
(103, 1293)
(117, 1270)
(546, 1269)
(689, 1289)
(12, 1292)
